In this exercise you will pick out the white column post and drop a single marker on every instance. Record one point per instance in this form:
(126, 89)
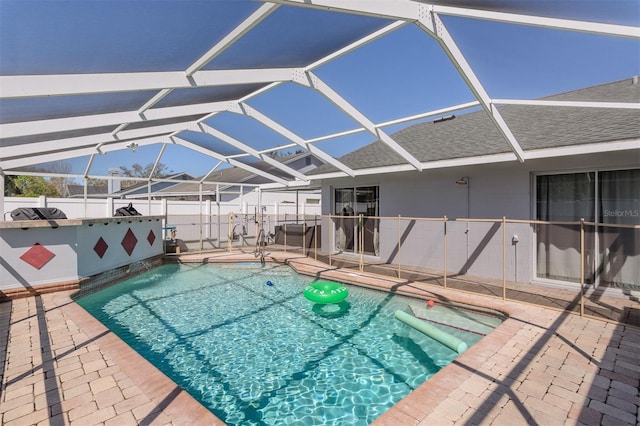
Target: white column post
(276, 212)
(200, 221)
(85, 196)
(218, 212)
(149, 197)
(2, 194)
(109, 207)
(208, 212)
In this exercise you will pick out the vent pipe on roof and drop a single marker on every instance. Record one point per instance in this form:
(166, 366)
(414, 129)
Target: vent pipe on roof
(634, 79)
(441, 119)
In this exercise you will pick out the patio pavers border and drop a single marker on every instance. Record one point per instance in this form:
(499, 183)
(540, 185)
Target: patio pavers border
(540, 366)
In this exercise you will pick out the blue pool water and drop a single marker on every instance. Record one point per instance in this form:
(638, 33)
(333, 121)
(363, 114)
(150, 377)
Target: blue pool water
(262, 354)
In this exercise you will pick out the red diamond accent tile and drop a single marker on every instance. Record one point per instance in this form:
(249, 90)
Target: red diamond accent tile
(101, 247)
(151, 237)
(37, 256)
(129, 242)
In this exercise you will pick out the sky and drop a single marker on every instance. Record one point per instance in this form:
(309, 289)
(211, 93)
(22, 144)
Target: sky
(401, 74)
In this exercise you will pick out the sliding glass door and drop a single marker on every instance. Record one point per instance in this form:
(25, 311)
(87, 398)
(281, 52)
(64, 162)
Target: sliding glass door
(619, 248)
(351, 230)
(606, 197)
(346, 224)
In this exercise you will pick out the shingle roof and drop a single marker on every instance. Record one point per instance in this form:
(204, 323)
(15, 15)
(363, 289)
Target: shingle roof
(78, 190)
(535, 127)
(236, 174)
(141, 187)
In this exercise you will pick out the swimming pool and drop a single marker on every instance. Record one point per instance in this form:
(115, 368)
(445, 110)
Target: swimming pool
(263, 354)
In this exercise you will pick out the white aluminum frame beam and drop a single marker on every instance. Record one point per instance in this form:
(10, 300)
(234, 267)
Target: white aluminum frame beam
(496, 158)
(426, 17)
(26, 86)
(357, 44)
(434, 26)
(247, 25)
(592, 148)
(410, 10)
(195, 147)
(37, 127)
(258, 16)
(401, 120)
(540, 21)
(391, 9)
(309, 79)
(92, 140)
(18, 162)
(578, 104)
(205, 128)
(158, 158)
(249, 111)
(213, 169)
(62, 153)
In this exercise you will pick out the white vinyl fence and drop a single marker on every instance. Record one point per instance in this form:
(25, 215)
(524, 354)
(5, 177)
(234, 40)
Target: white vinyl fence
(96, 208)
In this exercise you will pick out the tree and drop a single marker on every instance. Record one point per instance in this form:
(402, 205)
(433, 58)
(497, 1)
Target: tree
(34, 186)
(97, 182)
(277, 154)
(137, 170)
(60, 182)
(10, 188)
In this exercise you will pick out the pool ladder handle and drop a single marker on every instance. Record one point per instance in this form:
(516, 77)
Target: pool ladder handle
(261, 243)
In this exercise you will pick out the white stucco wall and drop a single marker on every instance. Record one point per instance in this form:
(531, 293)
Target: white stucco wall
(495, 190)
(15, 273)
(113, 233)
(72, 243)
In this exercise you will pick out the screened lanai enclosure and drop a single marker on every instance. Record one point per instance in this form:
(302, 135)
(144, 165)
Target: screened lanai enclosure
(494, 140)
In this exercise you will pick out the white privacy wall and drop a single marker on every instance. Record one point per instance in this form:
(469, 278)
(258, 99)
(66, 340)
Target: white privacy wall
(76, 208)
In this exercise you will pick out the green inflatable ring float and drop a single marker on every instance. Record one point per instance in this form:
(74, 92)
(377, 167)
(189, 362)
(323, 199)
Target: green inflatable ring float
(325, 292)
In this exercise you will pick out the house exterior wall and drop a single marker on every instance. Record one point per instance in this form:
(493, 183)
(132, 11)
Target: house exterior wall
(495, 190)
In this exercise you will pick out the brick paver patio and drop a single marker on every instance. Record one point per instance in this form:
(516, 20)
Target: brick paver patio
(61, 366)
